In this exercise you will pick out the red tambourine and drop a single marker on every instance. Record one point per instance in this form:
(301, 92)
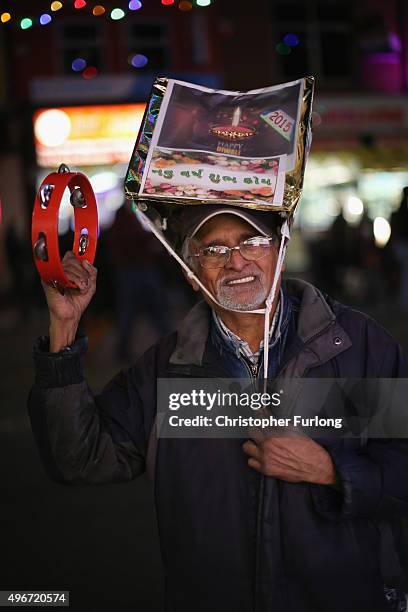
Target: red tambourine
(44, 229)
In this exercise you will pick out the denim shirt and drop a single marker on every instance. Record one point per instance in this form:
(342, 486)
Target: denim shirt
(234, 361)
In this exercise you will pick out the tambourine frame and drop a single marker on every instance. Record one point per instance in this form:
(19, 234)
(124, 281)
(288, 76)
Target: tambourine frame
(45, 224)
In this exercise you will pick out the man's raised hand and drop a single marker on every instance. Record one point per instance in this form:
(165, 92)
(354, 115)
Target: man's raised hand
(67, 306)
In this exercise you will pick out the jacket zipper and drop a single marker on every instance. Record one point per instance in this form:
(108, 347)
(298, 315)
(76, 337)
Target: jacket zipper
(253, 369)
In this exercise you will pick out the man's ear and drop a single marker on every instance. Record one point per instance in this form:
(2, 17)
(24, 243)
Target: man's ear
(191, 281)
(191, 245)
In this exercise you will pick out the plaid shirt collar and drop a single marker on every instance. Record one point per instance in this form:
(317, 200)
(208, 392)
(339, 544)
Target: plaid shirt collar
(244, 348)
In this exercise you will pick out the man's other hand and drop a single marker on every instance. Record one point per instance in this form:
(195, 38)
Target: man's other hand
(294, 459)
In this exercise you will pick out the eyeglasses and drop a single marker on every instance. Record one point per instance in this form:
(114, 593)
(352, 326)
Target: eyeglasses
(251, 249)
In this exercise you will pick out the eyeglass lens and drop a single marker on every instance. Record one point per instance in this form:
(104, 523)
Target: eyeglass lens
(218, 257)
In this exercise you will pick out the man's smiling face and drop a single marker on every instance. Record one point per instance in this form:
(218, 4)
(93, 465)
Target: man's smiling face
(241, 284)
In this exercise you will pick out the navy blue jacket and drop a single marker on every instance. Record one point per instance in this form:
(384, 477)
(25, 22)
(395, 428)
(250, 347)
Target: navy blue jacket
(231, 539)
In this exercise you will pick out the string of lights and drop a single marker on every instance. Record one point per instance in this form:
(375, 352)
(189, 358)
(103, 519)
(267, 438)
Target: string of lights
(97, 10)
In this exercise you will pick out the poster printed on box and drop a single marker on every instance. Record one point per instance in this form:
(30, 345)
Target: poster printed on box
(223, 145)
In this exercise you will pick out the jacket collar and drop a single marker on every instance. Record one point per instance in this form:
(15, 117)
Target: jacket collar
(192, 336)
(315, 317)
(320, 337)
(314, 312)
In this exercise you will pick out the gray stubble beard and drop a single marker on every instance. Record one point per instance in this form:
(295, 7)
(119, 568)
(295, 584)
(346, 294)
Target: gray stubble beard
(251, 303)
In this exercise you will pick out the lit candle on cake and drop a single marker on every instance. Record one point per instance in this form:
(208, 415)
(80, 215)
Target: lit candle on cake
(233, 131)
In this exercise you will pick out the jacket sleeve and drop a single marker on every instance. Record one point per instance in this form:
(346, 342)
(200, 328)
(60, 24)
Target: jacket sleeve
(372, 476)
(82, 438)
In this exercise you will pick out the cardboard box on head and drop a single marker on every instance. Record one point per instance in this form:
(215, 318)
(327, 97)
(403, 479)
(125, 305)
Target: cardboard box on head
(198, 146)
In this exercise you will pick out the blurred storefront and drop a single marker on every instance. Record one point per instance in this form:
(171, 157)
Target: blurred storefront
(96, 140)
(354, 182)
(357, 168)
(359, 160)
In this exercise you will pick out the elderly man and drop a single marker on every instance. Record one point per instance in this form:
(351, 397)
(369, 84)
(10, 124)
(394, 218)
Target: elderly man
(278, 524)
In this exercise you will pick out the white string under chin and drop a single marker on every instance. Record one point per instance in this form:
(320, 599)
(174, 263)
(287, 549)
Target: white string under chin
(285, 236)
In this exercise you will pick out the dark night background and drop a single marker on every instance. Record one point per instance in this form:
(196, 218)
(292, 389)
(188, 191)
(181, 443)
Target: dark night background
(101, 543)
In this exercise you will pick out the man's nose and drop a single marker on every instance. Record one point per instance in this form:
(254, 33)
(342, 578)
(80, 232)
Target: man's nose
(236, 262)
